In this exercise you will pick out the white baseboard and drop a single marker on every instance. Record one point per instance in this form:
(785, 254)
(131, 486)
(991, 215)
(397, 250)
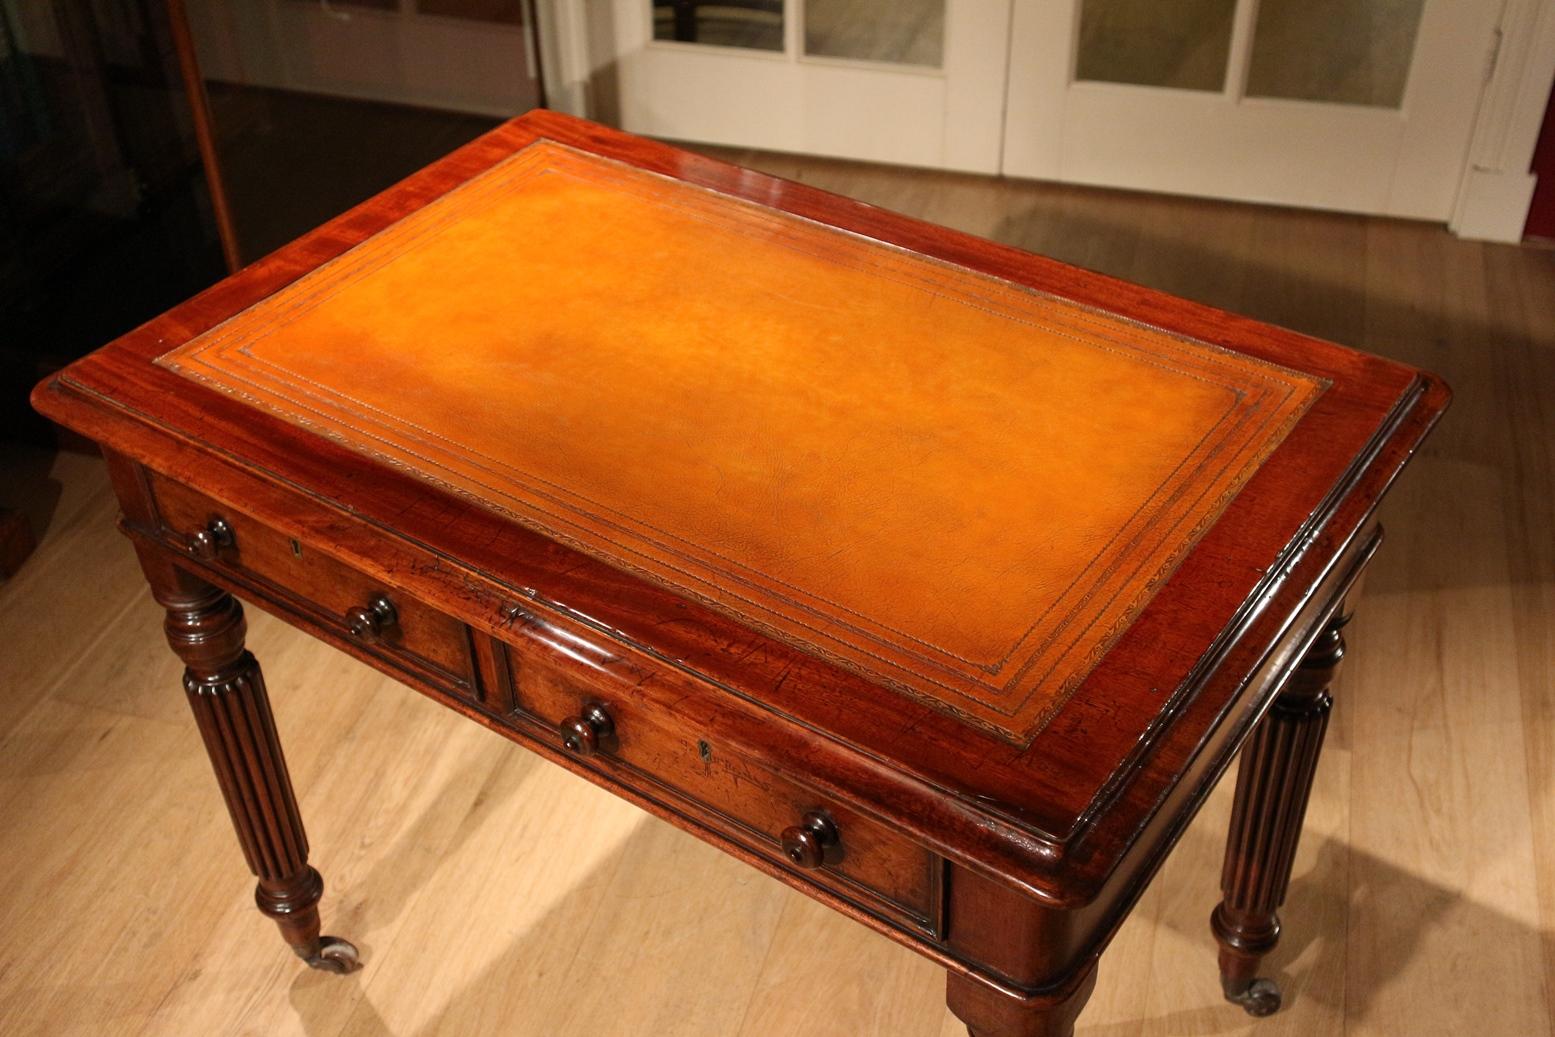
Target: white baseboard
(1493, 206)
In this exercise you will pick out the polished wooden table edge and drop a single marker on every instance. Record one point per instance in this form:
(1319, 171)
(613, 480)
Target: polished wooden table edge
(1039, 791)
(1263, 594)
(1063, 863)
(1042, 867)
(1160, 832)
(1236, 655)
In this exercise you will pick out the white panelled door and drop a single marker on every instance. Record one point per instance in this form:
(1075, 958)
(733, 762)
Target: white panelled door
(1359, 105)
(917, 82)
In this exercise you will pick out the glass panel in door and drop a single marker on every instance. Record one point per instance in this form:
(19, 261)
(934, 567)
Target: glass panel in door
(915, 82)
(1183, 44)
(755, 24)
(903, 32)
(1359, 105)
(1340, 51)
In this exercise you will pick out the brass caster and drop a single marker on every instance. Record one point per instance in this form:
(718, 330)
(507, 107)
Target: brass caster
(334, 955)
(1261, 998)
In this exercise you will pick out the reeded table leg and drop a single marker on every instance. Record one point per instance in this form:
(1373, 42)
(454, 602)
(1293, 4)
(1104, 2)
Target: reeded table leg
(226, 690)
(1272, 786)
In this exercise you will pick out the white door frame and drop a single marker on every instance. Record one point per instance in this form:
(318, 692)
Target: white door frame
(1497, 185)
(607, 61)
(1494, 191)
(565, 66)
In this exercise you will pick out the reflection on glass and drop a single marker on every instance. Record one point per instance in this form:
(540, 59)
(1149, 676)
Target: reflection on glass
(377, 5)
(1344, 51)
(295, 150)
(1182, 44)
(104, 216)
(501, 12)
(905, 32)
(757, 24)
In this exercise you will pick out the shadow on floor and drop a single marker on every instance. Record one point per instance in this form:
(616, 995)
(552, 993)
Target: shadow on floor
(1314, 895)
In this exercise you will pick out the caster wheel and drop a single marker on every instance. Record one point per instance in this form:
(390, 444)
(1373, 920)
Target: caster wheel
(1260, 998)
(335, 955)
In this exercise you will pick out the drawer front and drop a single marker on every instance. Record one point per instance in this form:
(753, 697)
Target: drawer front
(667, 744)
(419, 639)
(671, 738)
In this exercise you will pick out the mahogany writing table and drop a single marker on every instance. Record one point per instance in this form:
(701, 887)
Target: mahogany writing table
(935, 579)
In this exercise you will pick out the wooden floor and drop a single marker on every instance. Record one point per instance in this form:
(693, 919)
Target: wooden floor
(494, 894)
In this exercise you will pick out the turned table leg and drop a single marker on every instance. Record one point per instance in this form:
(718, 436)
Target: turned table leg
(226, 690)
(990, 1012)
(1272, 785)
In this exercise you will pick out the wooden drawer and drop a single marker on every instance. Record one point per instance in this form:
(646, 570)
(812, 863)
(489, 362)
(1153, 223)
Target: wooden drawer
(420, 640)
(667, 741)
(671, 741)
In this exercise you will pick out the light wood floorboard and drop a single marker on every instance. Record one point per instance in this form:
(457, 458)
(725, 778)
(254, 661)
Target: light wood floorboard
(492, 893)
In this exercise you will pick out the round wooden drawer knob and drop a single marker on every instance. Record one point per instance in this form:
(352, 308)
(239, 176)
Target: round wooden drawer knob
(208, 543)
(588, 733)
(369, 623)
(812, 842)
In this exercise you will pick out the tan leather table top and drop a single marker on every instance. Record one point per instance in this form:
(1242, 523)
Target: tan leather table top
(1004, 552)
(958, 487)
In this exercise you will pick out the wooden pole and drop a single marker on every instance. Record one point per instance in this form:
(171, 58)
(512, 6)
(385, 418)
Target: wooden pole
(199, 107)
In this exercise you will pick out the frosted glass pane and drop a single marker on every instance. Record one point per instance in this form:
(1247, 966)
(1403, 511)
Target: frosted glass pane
(1181, 44)
(1345, 51)
(905, 32)
(757, 24)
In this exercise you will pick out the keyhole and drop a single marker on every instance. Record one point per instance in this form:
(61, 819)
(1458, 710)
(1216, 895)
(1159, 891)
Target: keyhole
(705, 751)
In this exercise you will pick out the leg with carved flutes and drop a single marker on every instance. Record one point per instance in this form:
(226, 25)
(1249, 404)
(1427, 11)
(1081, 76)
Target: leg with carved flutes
(226, 690)
(1273, 783)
